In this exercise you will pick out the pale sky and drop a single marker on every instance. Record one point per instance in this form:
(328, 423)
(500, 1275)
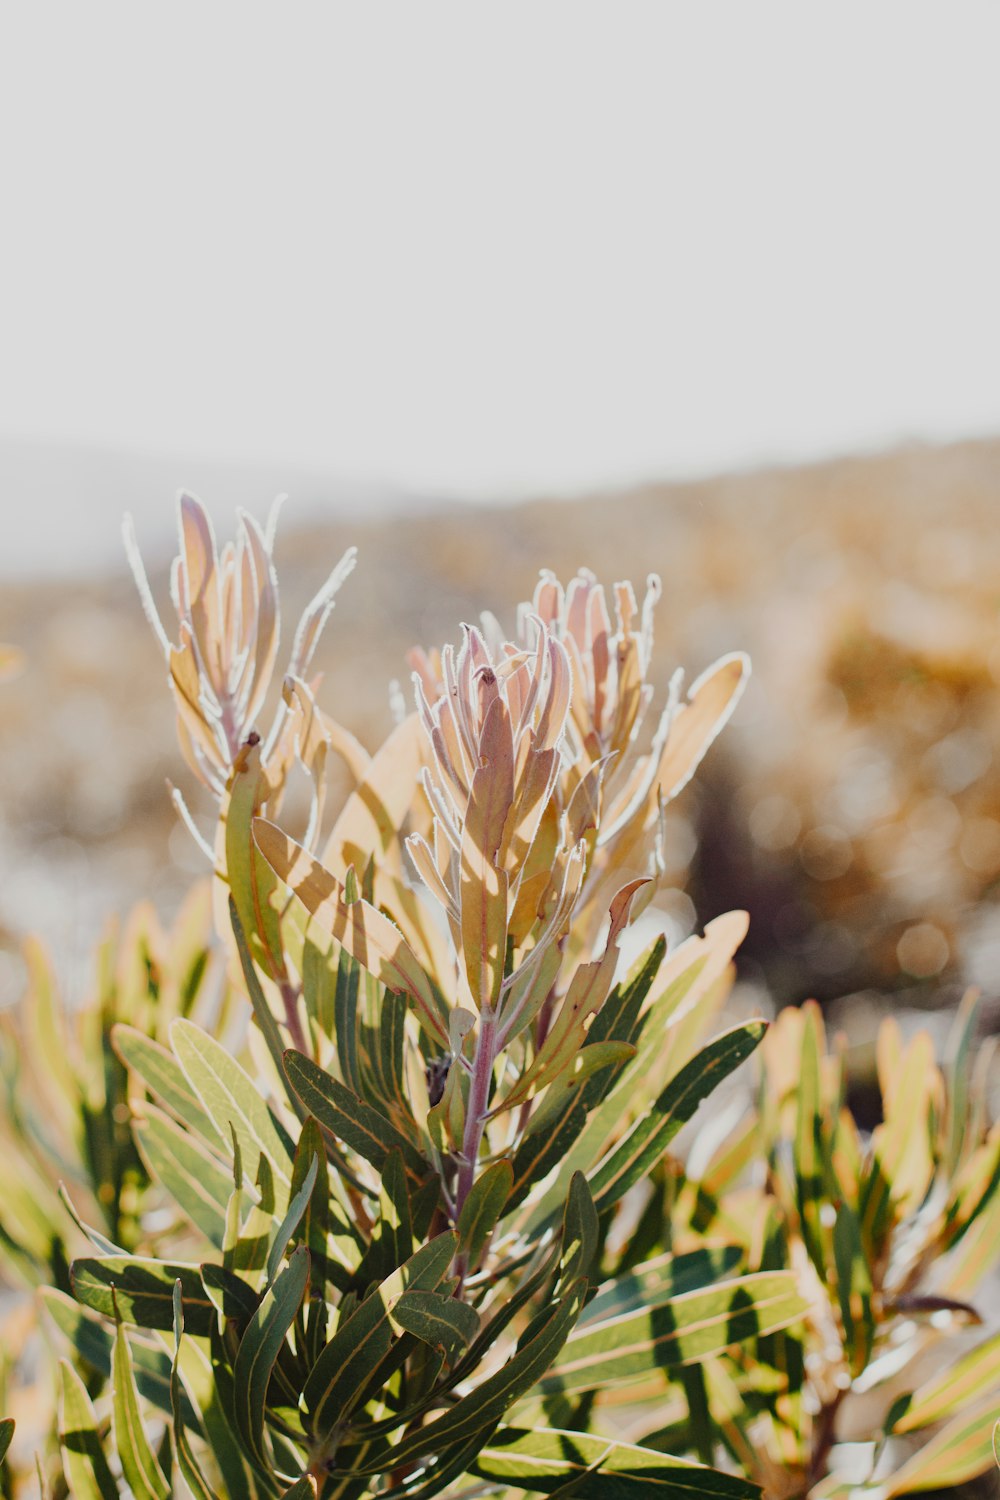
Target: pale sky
(490, 248)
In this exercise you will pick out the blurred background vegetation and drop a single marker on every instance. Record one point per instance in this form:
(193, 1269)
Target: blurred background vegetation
(853, 806)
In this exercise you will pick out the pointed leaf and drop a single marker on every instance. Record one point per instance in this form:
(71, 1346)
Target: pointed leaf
(649, 1137)
(961, 1450)
(139, 1463)
(260, 1346)
(366, 933)
(143, 1290)
(233, 1102)
(548, 1462)
(974, 1376)
(483, 1408)
(84, 1464)
(483, 1207)
(358, 1124)
(364, 1339)
(164, 1078)
(443, 1322)
(291, 1221)
(194, 1178)
(661, 1280)
(685, 1330)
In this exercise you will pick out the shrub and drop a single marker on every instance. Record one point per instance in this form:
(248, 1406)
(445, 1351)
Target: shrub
(420, 1232)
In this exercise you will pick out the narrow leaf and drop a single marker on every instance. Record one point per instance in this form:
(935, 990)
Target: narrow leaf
(84, 1464)
(186, 1461)
(443, 1322)
(365, 932)
(358, 1124)
(139, 1464)
(233, 1102)
(483, 1207)
(260, 1346)
(143, 1290)
(685, 1330)
(649, 1137)
(548, 1462)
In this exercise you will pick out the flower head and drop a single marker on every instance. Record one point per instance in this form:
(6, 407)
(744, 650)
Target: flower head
(222, 664)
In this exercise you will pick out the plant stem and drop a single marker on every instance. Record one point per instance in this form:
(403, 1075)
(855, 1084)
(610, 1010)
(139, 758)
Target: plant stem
(290, 1000)
(487, 1043)
(824, 1438)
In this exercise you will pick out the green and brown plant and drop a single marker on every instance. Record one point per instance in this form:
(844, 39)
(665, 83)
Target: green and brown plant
(422, 1227)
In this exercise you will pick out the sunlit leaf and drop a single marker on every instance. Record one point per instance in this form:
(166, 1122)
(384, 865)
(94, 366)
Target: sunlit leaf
(681, 1331)
(260, 1346)
(961, 1450)
(139, 1463)
(650, 1136)
(143, 1291)
(373, 940)
(233, 1103)
(86, 1468)
(968, 1380)
(597, 1468)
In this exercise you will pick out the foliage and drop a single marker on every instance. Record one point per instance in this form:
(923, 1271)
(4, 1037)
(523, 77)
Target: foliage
(420, 1230)
(73, 1143)
(891, 1238)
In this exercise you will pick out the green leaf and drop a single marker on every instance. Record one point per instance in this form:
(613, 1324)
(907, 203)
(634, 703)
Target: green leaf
(649, 1137)
(595, 1468)
(94, 1344)
(367, 933)
(683, 1331)
(139, 1464)
(961, 1450)
(661, 1280)
(251, 879)
(498, 1315)
(482, 1209)
(854, 1287)
(346, 1006)
(263, 1014)
(442, 1322)
(449, 1464)
(260, 1346)
(807, 1144)
(6, 1434)
(164, 1077)
(143, 1290)
(100, 1242)
(359, 1125)
(194, 1178)
(84, 1464)
(392, 1237)
(538, 1154)
(581, 1232)
(291, 1221)
(351, 1359)
(620, 1018)
(186, 1461)
(958, 1073)
(233, 1298)
(483, 1408)
(320, 970)
(974, 1376)
(253, 1235)
(302, 1489)
(232, 1101)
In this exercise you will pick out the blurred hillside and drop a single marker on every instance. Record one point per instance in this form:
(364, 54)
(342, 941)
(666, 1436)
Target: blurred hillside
(853, 805)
